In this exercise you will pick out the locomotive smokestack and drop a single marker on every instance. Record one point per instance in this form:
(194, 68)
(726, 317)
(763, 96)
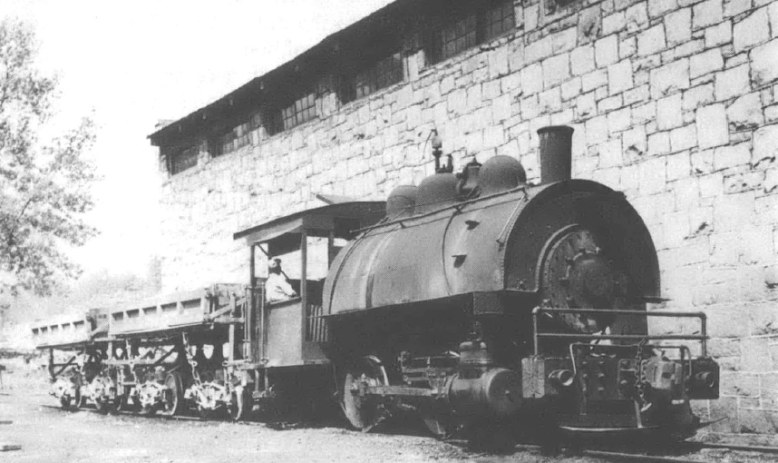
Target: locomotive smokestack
(555, 153)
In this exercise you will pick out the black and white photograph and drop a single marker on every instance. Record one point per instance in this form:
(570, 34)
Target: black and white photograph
(395, 231)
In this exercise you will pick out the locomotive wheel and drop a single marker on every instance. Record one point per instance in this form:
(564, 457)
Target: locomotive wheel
(240, 404)
(174, 395)
(363, 413)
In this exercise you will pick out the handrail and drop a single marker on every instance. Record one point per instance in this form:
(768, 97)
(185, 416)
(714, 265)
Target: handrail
(703, 337)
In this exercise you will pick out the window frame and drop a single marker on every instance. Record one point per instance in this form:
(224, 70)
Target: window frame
(480, 31)
(175, 166)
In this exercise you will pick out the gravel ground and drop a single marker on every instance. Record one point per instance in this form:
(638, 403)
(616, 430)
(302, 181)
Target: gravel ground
(47, 433)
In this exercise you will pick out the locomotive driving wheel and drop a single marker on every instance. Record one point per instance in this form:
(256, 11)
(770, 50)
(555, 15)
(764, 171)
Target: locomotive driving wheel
(363, 412)
(173, 402)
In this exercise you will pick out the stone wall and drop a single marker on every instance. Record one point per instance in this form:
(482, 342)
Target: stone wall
(675, 102)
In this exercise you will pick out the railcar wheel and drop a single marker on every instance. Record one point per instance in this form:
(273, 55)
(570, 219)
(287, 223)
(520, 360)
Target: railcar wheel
(240, 404)
(64, 402)
(173, 402)
(363, 412)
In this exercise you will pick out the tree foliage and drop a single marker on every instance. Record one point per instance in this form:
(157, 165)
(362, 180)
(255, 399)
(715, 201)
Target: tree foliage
(44, 181)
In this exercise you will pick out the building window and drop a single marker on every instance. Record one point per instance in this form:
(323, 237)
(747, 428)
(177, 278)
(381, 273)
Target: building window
(458, 37)
(302, 110)
(184, 159)
(236, 138)
(379, 75)
(473, 26)
(500, 19)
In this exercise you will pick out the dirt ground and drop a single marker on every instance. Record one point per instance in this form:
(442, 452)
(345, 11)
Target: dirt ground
(47, 433)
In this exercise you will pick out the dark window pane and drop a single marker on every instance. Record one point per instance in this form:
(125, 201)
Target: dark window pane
(384, 73)
(184, 159)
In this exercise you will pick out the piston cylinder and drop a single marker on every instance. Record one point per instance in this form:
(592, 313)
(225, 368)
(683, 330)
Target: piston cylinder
(497, 392)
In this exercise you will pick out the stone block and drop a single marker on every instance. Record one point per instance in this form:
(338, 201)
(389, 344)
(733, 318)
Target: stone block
(732, 156)
(652, 41)
(658, 8)
(772, 12)
(582, 60)
(740, 384)
(636, 95)
(669, 114)
(619, 120)
(596, 130)
(636, 17)
(707, 14)
(571, 89)
(594, 80)
(538, 50)
(474, 96)
(764, 66)
(675, 228)
(670, 78)
(732, 82)
(531, 17)
(745, 113)
(550, 100)
(498, 62)
(697, 96)
(606, 51)
(613, 23)
(755, 355)
(678, 165)
(556, 70)
(723, 413)
(683, 138)
(769, 385)
(705, 63)
(532, 79)
(743, 181)
(589, 25)
(620, 76)
(634, 143)
(610, 154)
(733, 212)
(765, 144)
(628, 47)
(644, 113)
(585, 105)
(752, 30)
(712, 127)
(719, 34)
(510, 83)
(659, 143)
(609, 104)
(502, 108)
(652, 176)
(735, 7)
(530, 108)
(678, 25)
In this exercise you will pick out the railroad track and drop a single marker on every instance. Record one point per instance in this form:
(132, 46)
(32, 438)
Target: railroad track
(682, 447)
(676, 453)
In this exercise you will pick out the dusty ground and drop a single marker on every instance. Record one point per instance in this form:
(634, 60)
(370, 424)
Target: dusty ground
(49, 434)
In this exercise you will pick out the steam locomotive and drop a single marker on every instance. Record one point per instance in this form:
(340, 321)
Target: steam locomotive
(476, 300)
